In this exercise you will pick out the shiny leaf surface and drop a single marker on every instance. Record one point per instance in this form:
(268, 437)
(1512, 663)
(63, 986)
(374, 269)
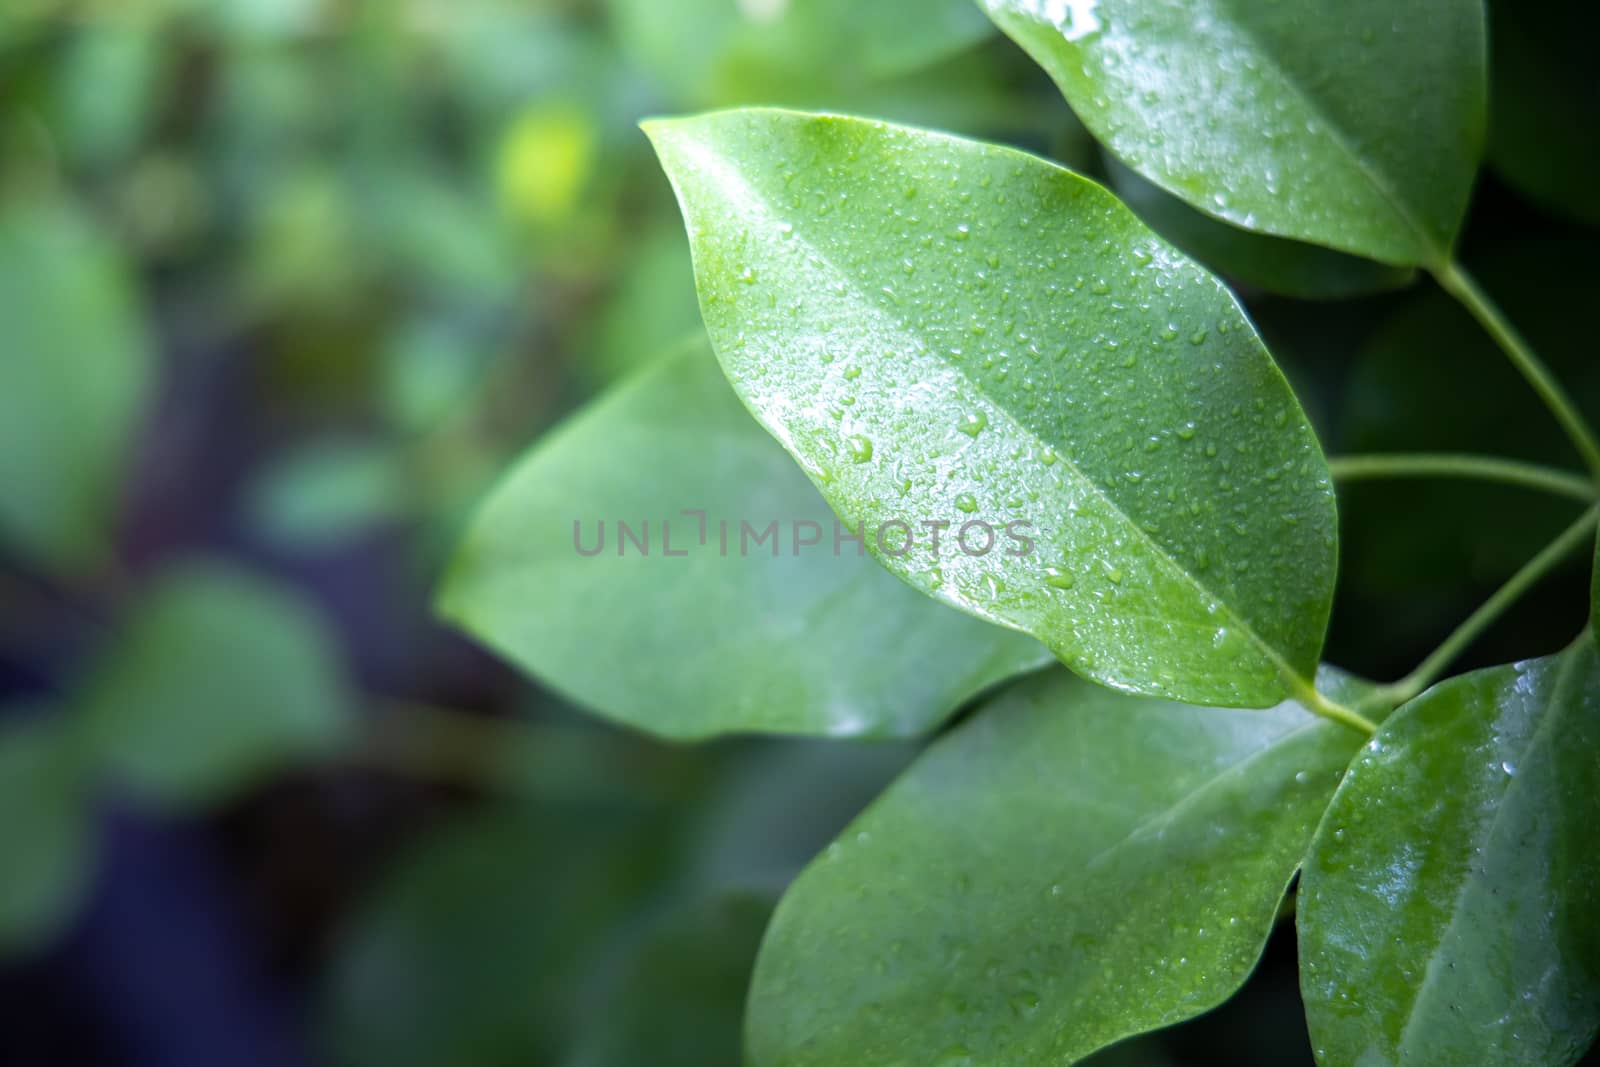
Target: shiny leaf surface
(1449, 909)
(1355, 124)
(740, 634)
(946, 332)
(1070, 867)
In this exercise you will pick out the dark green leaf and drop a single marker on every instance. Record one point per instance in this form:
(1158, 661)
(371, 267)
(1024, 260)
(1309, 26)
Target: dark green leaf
(1450, 906)
(1543, 139)
(1071, 867)
(219, 680)
(677, 998)
(1355, 124)
(73, 382)
(46, 832)
(759, 636)
(1273, 263)
(943, 331)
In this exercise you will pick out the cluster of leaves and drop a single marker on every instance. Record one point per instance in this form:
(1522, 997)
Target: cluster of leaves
(935, 329)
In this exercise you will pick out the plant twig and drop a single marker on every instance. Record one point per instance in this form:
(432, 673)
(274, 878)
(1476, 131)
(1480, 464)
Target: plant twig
(1459, 284)
(1451, 465)
(1413, 684)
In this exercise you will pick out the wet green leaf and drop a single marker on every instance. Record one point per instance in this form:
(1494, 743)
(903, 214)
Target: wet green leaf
(747, 634)
(1277, 264)
(46, 831)
(1355, 124)
(946, 332)
(219, 680)
(1070, 867)
(1450, 906)
(73, 382)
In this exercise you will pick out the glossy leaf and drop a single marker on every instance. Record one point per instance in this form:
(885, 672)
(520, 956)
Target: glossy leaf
(1450, 907)
(943, 331)
(1277, 264)
(759, 636)
(46, 832)
(219, 680)
(73, 382)
(1070, 867)
(1355, 124)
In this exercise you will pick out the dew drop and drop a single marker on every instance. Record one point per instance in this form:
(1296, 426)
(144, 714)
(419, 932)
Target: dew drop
(967, 503)
(1058, 578)
(860, 449)
(973, 423)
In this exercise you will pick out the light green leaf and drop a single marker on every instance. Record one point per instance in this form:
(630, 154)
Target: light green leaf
(1355, 124)
(1273, 263)
(219, 680)
(46, 832)
(1069, 868)
(710, 52)
(943, 331)
(74, 378)
(1450, 906)
(759, 636)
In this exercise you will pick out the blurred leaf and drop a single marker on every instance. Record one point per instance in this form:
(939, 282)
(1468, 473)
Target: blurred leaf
(870, 290)
(430, 366)
(676, 999)
(1355, 124)
(651, 305)
(545, 161)
(73, 384)
(1450, 906)
(1067, 868)
(711, 52)
(218, 680)
(1272, 263)
(742, 640)
(468, 951)
(107, 87)
(1594, 593)
(323, 493)
(1543, 139)
(46, 831)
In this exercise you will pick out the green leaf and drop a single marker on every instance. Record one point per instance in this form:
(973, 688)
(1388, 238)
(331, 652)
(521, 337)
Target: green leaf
(1070, 867)
(1594, 593)
(758, 636)
(1450, 906)
(46, 832)
(677, 998)
(219, 680)
(73, 382)
(1355, 124)
(710, 52)
(1542, 140)
(1273, 263)
(943, 331)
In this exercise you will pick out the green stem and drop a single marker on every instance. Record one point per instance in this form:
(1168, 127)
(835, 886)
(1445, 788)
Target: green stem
(1449, 465)
(1306, 694)
(1459, 284)
(1408, 688)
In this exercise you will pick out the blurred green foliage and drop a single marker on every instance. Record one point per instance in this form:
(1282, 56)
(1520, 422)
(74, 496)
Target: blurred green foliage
(419, 232)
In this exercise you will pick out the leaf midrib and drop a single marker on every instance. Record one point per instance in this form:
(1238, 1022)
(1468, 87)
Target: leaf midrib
(725, 174)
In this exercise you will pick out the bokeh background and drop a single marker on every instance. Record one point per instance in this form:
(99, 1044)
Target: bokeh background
(285, 285)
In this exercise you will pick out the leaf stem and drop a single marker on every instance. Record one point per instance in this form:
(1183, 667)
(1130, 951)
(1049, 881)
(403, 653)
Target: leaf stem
(1452, 465)
(1307, 696)
(1459, 284)
(1412, 685)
